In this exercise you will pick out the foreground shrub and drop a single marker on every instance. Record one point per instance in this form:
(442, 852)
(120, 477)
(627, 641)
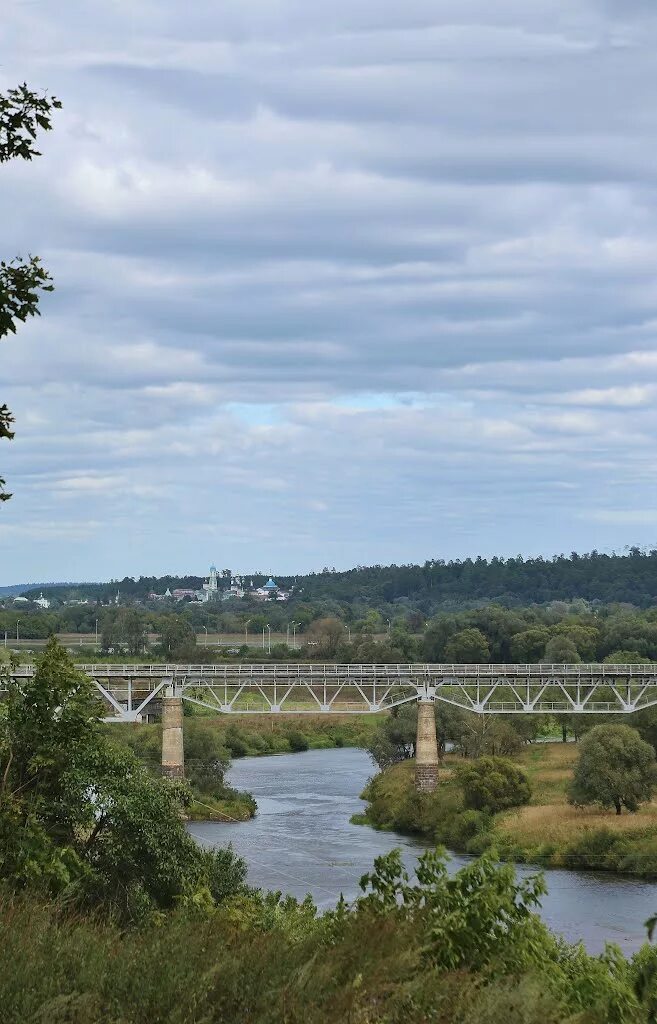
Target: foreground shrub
(465, 948)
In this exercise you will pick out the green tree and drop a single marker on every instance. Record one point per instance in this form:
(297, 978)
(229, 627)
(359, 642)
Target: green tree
(477, 919)
(394, 740)
(529, 645)
(437, 635)
(493, 784)
(123, 628)
(469, 646)
(78, 813)
(206, 759)
(626, 658)
(616, 768)
(327, 635)
(177, 637)
(560, 650)
(585, 638)
(22, 114)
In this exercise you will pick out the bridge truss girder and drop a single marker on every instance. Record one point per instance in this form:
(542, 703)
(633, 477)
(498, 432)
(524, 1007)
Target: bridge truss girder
(129, 691)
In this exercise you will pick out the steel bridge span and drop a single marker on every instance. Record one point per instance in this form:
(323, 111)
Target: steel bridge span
(129, 691)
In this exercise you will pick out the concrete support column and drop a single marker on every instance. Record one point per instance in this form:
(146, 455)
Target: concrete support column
(426, 748)
(173, 751)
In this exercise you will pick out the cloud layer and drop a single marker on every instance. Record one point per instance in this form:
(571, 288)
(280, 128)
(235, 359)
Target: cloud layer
(335, 285)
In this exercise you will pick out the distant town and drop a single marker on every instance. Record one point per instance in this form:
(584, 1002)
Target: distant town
(217, 586)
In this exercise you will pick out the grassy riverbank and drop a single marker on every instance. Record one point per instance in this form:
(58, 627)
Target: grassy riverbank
(261, 735)
(548, 831)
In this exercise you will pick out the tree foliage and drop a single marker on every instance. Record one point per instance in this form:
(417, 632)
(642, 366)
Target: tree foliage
(394, 740)
(560, 650)
(616, 768)
(478, 919)
(468, 647)
(81, 815)
(493, 784)
(177, 637)
(23, 114)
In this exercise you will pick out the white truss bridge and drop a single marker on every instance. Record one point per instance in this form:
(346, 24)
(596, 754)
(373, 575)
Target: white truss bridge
(130, 691)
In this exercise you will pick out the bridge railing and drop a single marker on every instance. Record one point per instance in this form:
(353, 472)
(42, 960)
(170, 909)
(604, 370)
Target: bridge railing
(308, 671)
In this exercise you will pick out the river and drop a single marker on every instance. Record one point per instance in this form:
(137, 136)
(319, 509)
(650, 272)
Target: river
(302, 841)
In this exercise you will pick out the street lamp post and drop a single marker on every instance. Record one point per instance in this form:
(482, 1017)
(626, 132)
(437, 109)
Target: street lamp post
(246, 632)
(96, 634)
(263, 638)
(17, 621)
(294, 633)
(269, 642)
(206, 635)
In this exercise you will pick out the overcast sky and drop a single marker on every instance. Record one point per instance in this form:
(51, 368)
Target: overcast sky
(336, 283)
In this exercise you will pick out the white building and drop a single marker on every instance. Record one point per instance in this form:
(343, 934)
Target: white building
(210, 587)
(42, 601)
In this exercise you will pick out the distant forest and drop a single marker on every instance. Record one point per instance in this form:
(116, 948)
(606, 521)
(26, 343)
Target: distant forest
(439, 585)
(630, 578)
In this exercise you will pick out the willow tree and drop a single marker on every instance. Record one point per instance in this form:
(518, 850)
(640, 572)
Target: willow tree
(23, 114)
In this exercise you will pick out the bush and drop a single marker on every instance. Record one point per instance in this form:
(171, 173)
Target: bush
(297, 741)
(467, 825)
(493, 784)
(236, 742)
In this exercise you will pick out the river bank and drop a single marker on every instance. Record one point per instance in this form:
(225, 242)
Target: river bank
(548, 831)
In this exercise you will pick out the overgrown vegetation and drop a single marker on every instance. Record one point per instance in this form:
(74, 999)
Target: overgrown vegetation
(460, 949)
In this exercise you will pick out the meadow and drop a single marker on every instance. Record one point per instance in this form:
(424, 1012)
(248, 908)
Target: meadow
(548, 831)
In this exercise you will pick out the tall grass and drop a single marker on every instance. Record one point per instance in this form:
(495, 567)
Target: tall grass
(254, 961)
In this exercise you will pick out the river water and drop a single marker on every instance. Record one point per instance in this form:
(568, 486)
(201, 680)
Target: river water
(302, 841)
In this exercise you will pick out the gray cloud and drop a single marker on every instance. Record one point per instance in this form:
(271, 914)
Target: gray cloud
(339, 285)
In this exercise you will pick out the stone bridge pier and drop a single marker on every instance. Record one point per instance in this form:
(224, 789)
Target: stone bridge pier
(426, 747)
(173, 749)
